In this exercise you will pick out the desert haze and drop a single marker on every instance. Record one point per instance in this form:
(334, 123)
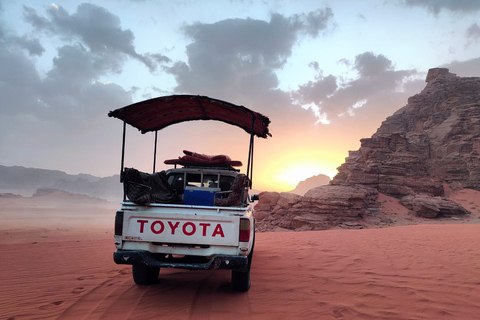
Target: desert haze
(57, 263)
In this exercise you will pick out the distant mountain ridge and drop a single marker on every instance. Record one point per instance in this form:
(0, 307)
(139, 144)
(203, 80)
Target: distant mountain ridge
(310, 183)
(17, 179)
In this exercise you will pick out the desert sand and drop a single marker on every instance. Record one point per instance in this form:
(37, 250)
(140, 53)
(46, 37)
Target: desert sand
(57, 264)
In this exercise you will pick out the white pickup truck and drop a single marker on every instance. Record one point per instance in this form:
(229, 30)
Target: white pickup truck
(197, 215)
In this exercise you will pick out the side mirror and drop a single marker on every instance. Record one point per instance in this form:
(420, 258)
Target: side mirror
(255, 197)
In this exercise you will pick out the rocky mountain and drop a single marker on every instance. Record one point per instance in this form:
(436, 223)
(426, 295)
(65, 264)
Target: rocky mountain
(431, 143)
(310, 183)
(26, 181)
(434, 139)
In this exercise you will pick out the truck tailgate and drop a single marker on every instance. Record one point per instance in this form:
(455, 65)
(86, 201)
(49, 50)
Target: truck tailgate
(197, 229)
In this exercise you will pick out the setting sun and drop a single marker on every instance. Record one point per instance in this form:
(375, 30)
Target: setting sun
(292, 174)
(285, 173)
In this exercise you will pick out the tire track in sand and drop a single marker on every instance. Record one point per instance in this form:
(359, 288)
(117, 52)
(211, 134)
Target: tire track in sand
(95, 303)
(215, 297)
(205, 295)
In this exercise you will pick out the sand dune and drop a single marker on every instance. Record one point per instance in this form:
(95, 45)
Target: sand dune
(410, 272)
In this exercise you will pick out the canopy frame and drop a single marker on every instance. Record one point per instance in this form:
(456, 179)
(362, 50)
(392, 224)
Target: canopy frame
(158, 113)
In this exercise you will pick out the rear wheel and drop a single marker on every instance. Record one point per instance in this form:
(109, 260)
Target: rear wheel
(241, 279)
(145, 275)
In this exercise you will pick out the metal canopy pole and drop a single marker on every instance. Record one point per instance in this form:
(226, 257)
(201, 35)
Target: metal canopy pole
(123, 150)
(250, 155)
(251, 165)
(155, 152)
(123, 159)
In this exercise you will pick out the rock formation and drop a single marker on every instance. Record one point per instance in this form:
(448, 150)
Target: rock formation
(432, 141)
(435, 138)
(431, 207)
(321, 208)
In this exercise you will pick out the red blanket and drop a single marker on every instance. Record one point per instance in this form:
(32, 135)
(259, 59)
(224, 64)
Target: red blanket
(194, 158)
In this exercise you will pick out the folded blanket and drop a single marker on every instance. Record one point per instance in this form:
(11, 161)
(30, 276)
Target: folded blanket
(194, 158)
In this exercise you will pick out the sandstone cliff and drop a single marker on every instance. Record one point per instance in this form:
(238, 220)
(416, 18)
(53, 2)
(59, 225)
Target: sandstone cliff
(435, 138)
(432, 142)
(321, 208)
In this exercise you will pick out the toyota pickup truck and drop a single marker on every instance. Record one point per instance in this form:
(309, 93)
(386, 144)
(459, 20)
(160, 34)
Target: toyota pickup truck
(196, 215)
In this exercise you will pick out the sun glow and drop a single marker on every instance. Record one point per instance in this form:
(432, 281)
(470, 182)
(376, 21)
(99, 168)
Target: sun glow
(285, 173)
(291, 175)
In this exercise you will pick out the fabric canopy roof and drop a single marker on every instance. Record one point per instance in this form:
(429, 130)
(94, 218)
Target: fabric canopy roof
(158, 113)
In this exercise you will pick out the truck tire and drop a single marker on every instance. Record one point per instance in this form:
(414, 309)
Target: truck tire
(145, 275)
(241, 279)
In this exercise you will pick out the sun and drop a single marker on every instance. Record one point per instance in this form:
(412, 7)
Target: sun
(286, 177)
(291, 175)
(281, 171)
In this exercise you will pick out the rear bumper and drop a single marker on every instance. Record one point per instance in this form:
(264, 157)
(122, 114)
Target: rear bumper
(147, 258)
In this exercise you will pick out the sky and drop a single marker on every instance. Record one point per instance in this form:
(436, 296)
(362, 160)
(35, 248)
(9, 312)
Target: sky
(326, 73)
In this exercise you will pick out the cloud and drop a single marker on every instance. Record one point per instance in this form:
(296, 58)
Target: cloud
(40, 23)
(237, 56)
(33, 46)
(473, 32)
(467, 68)
(435, 6)
(94, 45)
(64, 108)
(77, 66)
(66, 98)
(315, 21)
(96, 28)
(361, 17)
(237, 60)
(19, 82)
(377, 81)
(369, 65)
(2, 32)
(318, 90)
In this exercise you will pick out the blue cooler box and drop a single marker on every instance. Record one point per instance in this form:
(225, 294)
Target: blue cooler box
(199, 196)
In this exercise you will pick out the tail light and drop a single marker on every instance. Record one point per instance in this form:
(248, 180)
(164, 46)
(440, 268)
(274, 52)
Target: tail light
(244, 230)
(119, 223)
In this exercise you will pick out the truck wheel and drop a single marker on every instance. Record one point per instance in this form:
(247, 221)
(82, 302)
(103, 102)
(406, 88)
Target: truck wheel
(144, 275)
(241, 280)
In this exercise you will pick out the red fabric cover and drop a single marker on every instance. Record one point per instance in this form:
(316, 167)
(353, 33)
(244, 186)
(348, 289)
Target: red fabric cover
(158, 113)
(194, 158)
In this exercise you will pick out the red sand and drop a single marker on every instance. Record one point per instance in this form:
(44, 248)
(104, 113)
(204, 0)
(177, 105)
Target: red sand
(64, 269)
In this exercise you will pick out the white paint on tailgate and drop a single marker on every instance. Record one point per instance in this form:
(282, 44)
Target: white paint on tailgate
(208, 229)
